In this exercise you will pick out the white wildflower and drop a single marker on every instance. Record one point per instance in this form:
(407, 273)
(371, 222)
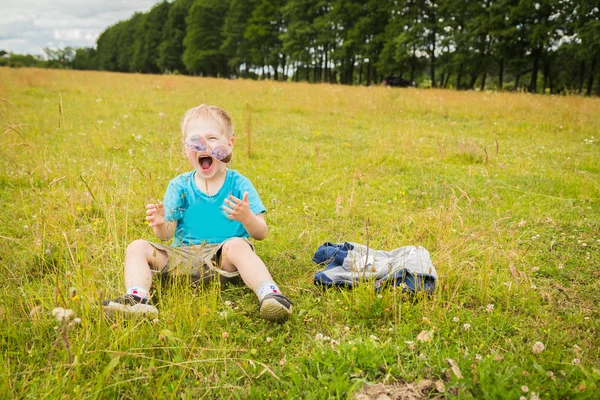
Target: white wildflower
(455, 319)
(538, 347)
(576, 361)
(525, 388)
(319, 336)
(467, 326)
(490, 307)
(411, 345)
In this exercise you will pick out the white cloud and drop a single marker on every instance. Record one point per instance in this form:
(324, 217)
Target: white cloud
(27, 26)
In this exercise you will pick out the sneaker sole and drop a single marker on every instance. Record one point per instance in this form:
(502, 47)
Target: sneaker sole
(273, 310)
(136, 310)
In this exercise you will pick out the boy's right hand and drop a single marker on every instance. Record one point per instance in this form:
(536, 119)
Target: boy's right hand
(155, 214)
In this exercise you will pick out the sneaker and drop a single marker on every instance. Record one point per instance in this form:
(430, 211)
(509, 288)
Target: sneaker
(129, 305)
(275, 307)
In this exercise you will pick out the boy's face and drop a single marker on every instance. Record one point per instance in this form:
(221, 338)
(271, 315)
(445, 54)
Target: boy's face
(202, 161)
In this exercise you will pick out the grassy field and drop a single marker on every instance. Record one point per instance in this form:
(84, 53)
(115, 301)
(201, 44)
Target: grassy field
(503, 189)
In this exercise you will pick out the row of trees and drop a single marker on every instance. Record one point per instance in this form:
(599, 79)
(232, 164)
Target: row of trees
(536, 45)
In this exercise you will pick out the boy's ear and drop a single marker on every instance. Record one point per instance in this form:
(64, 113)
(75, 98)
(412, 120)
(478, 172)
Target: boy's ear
(230, 141)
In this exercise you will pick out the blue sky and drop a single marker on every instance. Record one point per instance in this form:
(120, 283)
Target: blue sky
(27, 26)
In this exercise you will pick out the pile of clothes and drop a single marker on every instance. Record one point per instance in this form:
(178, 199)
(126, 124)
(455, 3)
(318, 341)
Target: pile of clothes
(348, 264)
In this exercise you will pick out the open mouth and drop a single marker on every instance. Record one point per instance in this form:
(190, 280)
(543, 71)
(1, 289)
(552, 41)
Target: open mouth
(205, 162)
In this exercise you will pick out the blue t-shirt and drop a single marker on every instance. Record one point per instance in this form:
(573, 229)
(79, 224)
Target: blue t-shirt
(200, 218)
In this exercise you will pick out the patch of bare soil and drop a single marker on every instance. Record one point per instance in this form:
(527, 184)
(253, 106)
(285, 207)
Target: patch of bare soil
(424, 389)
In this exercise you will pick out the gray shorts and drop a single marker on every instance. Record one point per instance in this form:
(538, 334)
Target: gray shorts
(202, 263)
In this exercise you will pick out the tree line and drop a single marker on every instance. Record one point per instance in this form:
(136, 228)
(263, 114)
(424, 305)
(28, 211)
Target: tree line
(542, 46)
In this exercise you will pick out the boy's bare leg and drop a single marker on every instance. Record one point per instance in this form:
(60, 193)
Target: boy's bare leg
(140, 258)
(237, 255)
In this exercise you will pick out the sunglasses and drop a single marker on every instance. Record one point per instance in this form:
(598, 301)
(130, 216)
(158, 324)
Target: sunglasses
(199, 144)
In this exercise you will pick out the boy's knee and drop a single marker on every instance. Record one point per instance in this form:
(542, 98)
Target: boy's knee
(138, 246)
(235, 244)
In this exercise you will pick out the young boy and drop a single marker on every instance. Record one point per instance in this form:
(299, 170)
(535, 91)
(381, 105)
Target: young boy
(210, 211)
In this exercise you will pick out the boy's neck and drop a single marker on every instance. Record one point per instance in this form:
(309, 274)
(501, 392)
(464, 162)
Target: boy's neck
(212, 185)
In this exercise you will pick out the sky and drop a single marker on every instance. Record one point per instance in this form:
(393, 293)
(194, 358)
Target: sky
(27, 26)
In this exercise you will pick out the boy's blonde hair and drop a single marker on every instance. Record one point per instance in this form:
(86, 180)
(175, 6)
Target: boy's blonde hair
(213, 112)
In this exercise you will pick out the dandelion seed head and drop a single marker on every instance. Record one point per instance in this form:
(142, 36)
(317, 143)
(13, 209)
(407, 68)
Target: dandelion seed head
(467, 326)
(524, 388)
(62, 314)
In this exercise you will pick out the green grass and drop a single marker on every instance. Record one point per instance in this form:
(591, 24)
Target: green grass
(503, 190)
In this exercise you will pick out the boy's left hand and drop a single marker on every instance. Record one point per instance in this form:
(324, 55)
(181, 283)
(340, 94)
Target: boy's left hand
(236, 209)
